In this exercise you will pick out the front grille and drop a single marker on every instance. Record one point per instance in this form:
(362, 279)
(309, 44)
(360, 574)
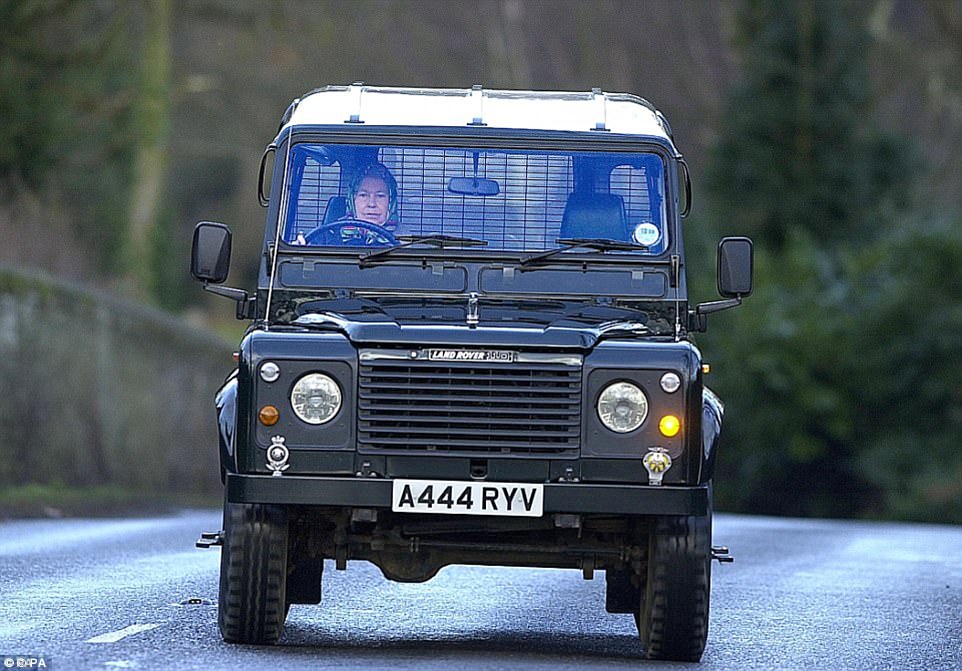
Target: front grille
(529, 406)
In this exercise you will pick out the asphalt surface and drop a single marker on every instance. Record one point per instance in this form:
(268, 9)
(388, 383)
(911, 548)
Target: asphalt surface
(135, 594)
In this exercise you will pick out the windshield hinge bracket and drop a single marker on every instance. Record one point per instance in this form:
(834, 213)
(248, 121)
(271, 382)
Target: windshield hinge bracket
(477, 100)
(473, 316)
(601, 105)
(357, 88)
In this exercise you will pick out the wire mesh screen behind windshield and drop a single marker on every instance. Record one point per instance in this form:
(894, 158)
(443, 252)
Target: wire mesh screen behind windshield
(515, 200)
(525, 214)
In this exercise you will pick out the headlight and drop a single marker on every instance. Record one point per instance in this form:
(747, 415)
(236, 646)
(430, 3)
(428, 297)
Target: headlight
(316, 398)
(622, 407)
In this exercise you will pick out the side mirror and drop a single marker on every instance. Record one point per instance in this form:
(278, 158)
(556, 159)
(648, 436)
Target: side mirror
(735, 279)
(210, 252)
(735, 267)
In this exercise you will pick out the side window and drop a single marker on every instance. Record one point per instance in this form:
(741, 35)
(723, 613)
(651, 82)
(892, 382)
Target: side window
(642, 189)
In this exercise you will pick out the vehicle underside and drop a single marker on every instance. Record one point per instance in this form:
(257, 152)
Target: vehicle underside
(412, 548)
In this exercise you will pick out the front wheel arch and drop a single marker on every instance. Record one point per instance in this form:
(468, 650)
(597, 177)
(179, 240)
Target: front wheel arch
(712, 412)
(225, 403)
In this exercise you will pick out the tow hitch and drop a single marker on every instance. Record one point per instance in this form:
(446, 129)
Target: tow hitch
(208, 539)
(720, 552)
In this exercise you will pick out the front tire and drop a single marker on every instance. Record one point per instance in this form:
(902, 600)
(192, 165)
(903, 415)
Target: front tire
(253, 604)
(673, 615)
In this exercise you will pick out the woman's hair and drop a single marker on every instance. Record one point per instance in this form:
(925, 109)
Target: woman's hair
(380, 171)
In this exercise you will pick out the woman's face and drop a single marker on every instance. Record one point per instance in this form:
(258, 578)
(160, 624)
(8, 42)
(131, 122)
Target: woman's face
(372, 200)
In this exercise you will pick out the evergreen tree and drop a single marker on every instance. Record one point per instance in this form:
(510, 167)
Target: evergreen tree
(65, 132)
(833, 409)
(152, 114)
(798, 149)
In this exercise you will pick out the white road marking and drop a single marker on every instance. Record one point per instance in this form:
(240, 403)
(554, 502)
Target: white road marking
(114, 636)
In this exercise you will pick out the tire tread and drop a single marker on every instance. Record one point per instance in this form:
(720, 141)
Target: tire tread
(252, 605)
(673, 621)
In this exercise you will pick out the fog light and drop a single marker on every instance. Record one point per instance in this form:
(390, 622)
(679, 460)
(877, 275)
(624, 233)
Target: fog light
(669, 426)
(268, 415)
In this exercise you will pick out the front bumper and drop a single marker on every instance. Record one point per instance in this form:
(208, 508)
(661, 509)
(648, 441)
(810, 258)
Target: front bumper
(559, 497)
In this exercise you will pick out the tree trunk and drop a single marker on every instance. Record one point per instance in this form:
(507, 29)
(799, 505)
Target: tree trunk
(152, 115)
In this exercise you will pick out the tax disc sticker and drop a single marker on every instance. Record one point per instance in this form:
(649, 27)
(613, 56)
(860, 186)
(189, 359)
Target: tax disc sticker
(646, 234)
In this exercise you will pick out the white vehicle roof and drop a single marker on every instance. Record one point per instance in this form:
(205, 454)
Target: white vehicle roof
(530, 110)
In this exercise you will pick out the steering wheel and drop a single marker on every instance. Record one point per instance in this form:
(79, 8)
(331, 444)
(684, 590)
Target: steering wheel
(351, 233)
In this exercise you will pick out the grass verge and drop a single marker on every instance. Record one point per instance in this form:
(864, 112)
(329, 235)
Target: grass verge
(36, 500)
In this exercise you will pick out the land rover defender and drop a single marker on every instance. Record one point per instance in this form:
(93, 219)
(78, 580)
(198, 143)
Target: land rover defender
(470, 343)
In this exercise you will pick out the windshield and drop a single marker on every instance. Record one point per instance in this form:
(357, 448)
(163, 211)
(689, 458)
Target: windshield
(502, 199)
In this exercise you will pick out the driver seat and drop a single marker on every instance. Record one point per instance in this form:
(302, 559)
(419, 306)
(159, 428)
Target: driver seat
(336, 209)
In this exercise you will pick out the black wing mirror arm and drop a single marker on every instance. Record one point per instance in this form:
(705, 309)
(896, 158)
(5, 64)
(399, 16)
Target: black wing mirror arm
(239, 295)
(717, 306)
(698, 318)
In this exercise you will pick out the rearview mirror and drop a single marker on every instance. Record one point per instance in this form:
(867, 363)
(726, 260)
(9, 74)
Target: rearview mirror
(473, 186)
(210, 252)
(735, 267)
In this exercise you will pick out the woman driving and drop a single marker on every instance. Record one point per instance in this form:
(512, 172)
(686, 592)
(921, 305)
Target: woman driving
(372, 196)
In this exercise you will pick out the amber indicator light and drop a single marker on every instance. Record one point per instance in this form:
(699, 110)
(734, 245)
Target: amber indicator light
(669, 426)
(268, 415)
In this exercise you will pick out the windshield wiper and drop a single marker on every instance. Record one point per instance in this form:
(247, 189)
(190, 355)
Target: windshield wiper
(623, 328)
(598, 244)
(322, 321)
(409, 240)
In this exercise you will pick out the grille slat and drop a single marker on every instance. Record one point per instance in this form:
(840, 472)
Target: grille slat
(437, 410)
(474, 386)
(461, 446)
(477, 397)
(469, 407)
(466, 375)
(457, 431)
(454, 367)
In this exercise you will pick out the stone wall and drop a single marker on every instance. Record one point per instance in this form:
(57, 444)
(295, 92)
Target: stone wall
(96, 391)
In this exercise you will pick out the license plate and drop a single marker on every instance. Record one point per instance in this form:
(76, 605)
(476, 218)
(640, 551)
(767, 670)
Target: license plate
(509, 499)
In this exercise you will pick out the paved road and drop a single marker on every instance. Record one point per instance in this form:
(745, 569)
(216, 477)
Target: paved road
(114, 594)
